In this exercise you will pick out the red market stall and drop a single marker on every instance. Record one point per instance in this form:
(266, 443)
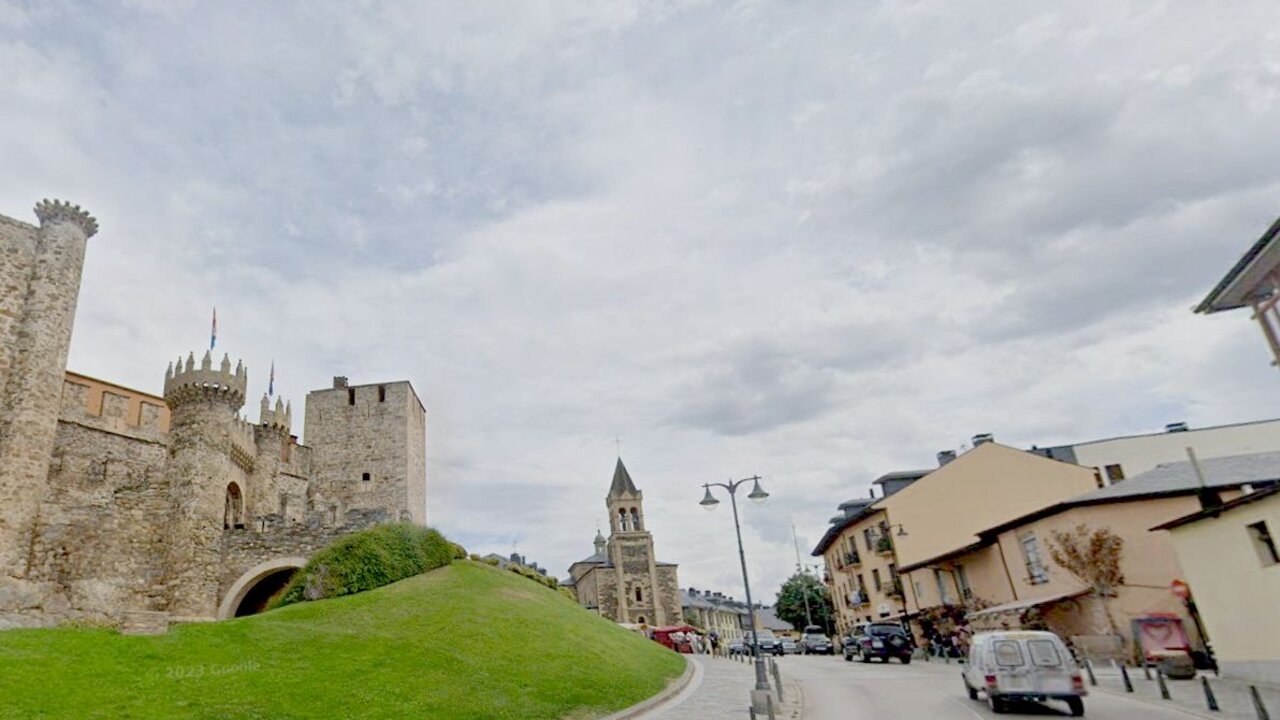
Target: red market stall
(676, 637)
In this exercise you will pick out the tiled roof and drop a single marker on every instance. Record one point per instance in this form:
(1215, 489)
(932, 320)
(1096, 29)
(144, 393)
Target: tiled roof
(1178, 478)
(1213, 302)
(1252, 497)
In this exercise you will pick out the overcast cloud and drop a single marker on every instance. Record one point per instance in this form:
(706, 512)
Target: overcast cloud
(817, 241)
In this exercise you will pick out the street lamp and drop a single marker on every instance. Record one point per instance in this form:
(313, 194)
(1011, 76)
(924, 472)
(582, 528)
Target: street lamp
(761, 694)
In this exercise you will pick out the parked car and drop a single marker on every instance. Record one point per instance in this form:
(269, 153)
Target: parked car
(737, 647)
(769, 644)
(789, 646)
(1013, 666)
(817, 644)
(880, 640)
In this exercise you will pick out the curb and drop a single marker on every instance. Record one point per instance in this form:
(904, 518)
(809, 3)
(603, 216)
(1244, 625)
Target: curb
(670, 691)
(1150, 702)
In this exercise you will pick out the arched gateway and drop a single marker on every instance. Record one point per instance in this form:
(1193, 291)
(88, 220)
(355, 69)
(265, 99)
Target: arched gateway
(248, 595)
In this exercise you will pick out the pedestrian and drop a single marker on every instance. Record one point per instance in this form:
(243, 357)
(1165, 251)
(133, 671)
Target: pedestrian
(715, 642)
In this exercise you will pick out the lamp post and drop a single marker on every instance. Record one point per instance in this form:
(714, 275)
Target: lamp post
(760, 696)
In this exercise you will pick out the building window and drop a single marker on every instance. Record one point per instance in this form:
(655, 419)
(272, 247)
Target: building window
(284, 506)
(869, 539)
(862, 584)
(364, 477)
(639, 595)
(1115, 473)
(333, 514)
(941, 579)
(1263, 543)
(962, 583)
(622, 520)
(351, 396)
(875, 578)
(1037, 574)
(635, 519)
(382, 393)
(233, 513)
(640, 620)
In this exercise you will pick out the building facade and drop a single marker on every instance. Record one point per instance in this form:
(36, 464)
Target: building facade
(115, 501)
(623, 580)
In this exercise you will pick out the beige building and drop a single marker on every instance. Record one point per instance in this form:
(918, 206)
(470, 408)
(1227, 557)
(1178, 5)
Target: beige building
(1114, 459)
(117, 504)
(860, 568)
(1231, 557)
(623, 580)
(1009, 571)
(714, 612)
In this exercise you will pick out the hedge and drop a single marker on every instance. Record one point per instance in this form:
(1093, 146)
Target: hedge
(369, 559)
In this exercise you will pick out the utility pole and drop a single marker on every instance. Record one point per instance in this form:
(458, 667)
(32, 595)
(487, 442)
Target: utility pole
(804, 589)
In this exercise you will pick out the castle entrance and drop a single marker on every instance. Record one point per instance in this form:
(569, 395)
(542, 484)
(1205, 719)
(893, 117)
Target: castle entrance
(249, 594)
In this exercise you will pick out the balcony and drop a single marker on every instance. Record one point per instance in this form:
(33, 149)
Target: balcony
(852, 560)
(884, 544)
(894, 589)
(857, 599)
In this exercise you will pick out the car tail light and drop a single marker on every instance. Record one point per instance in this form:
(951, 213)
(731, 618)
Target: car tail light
(991, 680)
(1077, 683)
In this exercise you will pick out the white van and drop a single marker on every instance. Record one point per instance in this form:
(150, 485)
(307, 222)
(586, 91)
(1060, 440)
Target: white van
(1010, 666)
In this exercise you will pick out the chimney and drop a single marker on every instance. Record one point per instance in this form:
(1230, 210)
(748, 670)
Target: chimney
(983, 439)
(1175, 427)
(339, 381)
(947, 456)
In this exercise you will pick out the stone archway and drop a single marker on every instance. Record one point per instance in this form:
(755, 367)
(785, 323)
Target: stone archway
(258, 583)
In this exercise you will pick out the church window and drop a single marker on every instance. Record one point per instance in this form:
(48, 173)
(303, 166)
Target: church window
(622, 520)
(382, 393)
(351, 396)
(641, 620)
(333, 514)
(364, 477)
(233, 511)
(639, 595)
(635, 519)
(284, 505)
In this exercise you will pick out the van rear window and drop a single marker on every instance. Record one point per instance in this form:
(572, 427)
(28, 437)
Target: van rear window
(1044, 653)
(1007, 653)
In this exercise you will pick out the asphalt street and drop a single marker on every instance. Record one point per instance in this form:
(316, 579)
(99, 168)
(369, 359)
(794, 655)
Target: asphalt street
(839, 690)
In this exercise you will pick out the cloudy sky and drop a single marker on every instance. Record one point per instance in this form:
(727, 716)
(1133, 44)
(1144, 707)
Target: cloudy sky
(815, 241)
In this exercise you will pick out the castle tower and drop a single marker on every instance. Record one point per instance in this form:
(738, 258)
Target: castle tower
(368, 450)
(274, 443)
(35, 333)
(203, 431)
(631, 552)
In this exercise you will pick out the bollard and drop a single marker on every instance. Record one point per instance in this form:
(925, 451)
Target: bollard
(768, 701)
(1209, 699)
(751, 711)
(777, 680)
(1146, 667)
(1258, 707)
(1088, 668)
(1124, 675)
(1164, 688)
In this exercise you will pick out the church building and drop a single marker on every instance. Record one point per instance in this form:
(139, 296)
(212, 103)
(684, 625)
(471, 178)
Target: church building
(623, 580)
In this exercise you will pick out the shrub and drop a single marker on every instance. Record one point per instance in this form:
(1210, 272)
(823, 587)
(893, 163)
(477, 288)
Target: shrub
(459, 552)
(368, 559)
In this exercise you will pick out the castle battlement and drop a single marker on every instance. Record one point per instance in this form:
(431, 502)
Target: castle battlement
(52, 211)
(281, 418)
(185, 383)
(243, 446)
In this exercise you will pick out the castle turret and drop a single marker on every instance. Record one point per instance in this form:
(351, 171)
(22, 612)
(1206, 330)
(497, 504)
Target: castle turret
(203, 432)
(36, 334)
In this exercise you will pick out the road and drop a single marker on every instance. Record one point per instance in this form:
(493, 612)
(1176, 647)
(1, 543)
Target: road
(838, 690)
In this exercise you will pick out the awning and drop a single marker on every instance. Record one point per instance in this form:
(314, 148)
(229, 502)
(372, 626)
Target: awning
(1018, 605)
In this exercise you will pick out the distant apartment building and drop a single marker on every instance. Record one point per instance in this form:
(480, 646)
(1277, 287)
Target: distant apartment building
(714, 612)
(1115, 459)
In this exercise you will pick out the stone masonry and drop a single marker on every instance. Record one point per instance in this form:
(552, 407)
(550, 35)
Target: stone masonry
(623, 580)
(117, 503)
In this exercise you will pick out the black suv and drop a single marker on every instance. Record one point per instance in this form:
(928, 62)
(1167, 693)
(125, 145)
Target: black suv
(817, 644)
(879, 640)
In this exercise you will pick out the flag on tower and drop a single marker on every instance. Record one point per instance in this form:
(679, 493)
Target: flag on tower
(213, 333)
(271, 382)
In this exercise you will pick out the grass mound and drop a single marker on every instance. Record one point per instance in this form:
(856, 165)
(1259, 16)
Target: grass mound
(368, 559)
(466, 641)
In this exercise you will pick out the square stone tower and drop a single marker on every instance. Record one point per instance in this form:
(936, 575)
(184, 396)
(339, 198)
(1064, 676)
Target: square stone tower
(368, 447)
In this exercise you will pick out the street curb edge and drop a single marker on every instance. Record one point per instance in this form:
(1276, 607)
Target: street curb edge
(670, 691)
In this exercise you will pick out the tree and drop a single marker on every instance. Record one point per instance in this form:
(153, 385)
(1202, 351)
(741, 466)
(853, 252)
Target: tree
(1093, 557)
(789, 605)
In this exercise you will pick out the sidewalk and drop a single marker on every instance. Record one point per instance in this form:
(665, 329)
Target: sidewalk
(1234, 700)
(722, 691)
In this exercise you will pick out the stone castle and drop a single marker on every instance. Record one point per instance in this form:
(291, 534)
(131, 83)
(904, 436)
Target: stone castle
(121, 506)
(623, 580)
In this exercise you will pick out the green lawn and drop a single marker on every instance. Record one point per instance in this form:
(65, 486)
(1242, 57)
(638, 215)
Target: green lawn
(465, 641)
